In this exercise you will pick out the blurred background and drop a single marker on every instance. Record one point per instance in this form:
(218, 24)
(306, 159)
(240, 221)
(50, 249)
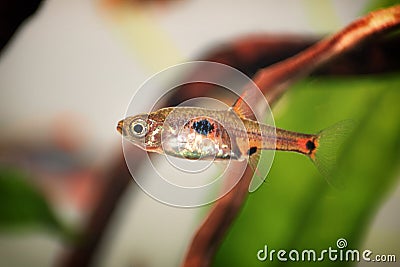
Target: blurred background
(67, 76)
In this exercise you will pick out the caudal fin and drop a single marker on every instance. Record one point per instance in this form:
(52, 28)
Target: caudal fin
(330, 142)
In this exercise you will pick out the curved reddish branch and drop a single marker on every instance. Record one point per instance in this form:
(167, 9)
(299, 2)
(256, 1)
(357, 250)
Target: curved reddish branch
(273, 82)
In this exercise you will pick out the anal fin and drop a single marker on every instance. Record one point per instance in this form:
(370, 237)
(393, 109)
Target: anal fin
(260, 171)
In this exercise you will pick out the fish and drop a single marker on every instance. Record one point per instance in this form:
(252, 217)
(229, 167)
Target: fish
(195, 133)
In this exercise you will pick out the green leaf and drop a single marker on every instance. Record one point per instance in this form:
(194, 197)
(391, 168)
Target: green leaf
(22, 206)
(296, 208)
(378, 4)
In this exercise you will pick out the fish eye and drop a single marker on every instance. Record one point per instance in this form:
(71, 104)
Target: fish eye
(139, 128)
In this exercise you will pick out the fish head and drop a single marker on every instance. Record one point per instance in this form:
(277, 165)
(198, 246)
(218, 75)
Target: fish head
(142, 130)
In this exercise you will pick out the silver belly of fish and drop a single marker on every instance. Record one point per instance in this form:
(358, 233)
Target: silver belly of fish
(192, 145)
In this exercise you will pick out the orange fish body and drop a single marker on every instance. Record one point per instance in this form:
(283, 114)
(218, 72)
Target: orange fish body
(199, 133)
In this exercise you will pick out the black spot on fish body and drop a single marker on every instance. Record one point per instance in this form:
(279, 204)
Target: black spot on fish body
(310, 145)
(252, 150)
(203, 127)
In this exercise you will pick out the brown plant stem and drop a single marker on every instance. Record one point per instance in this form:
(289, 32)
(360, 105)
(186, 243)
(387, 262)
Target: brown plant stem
(273, 82)
(12, 14)
(83, 251)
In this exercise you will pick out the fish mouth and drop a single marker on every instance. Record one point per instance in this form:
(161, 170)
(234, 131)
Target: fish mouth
(120, 125)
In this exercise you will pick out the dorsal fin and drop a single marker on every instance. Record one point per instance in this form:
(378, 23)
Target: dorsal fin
(241, 108)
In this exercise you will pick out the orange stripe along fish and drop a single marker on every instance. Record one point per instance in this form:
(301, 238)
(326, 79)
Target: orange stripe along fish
(200, 133)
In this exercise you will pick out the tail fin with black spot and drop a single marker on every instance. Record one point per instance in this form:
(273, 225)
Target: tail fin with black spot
(328, 144)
